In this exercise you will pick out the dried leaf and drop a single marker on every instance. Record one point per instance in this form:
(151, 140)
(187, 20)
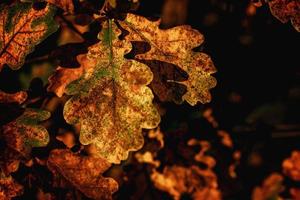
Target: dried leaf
(66, 5)
(201, 157)
(286, 10)
(67, 138)
(9, 161)
(175, 46)
(176, 180)
(64, 76)
(270, 189)
(24, 133)
(225, 138)
(9, 188)
(21, 28)
(208, 115)
(147, 157)
(291, 166)
(295, 193)
(232, 167)
(18, 97)
(83, 172)
(111, 100)
(158, 135)
(41, 195)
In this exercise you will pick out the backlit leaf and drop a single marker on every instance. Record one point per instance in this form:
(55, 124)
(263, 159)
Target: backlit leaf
(175, 46)
(64, 76)
(270, 189)
(83, 172)
(9, 188)
(176, 180)
(291, 166)
(18, 97)
(21, 28)
(111, 100)
(286, 10)
(24, 133)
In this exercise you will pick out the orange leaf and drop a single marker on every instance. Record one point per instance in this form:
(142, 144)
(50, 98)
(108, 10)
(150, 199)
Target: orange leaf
(21, 28)
(18, 97)
(83, 172)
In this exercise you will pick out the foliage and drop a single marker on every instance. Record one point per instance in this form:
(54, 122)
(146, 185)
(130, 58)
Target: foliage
(115, 73)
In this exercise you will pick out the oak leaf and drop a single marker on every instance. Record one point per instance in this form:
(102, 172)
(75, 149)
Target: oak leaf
(111, 99)
(83, 172)
(286, 10)
(18, 97)
(9, 188)
(291, 166)
(66, 5)
(177, 180)
(21, 28)
(24, 132)
(270, 189)
(175, 46)
(62, 76)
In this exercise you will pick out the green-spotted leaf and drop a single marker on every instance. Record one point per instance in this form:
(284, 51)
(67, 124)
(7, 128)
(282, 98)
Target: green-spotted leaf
(24, 133)
(111, 99)
(21, 28)
(175, 46)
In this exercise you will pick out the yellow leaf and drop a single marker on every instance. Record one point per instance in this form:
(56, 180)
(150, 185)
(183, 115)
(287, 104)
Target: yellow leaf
(175, 46)
(111, 100)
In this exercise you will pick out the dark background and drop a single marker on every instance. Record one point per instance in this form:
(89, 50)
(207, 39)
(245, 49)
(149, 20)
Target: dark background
(257, 99)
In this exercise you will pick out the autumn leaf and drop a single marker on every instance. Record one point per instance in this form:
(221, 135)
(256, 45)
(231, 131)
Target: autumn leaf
(66, 5)
(62, 76)
(201, 156)
(24, 133)
(175, 46)
(177, 180)
(270, 189)
(83, 172)
(111, 100)
(147, 157)
(291, 166)
(21, 28)
(286, 10)
(9, 188)
(18, 97)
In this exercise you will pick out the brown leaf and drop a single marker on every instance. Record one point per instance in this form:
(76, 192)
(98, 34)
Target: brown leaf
(295, 193)
(83, 172)
(64, 76)
(21, 28)
(286, 10)
(291, 166)
(18, 97)
(67, 138)
(270, 189)
(177, 180)
(225, 138)
(201, 157)
(66, 5)
(24, 133)
(9, 188)
(175, 46)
